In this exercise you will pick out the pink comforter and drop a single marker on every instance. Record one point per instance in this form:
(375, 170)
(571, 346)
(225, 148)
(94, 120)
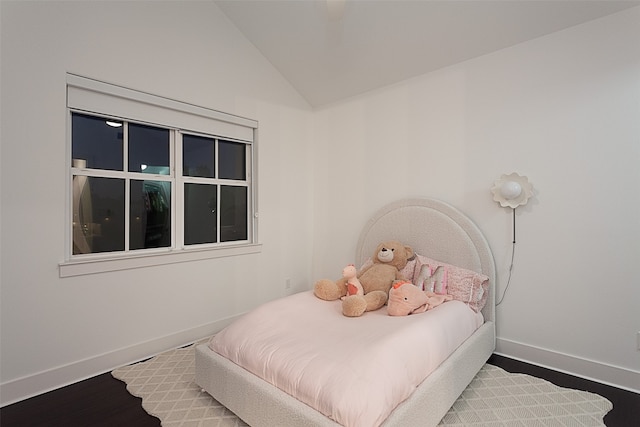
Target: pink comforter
(353, 370)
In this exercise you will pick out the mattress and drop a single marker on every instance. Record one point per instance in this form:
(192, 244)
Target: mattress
(353, 370)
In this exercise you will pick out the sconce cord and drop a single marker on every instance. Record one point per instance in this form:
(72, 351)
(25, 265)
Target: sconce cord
(513, 252)
(514, 227)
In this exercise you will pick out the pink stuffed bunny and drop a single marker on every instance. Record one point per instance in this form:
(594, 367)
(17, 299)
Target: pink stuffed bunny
(354, 287)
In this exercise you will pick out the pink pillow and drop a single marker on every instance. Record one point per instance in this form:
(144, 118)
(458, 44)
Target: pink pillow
(463, 285)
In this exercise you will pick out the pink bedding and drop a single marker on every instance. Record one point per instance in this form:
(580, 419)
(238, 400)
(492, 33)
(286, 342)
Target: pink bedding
(353, 370)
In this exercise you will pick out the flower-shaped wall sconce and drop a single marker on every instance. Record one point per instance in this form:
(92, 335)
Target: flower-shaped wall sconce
(512, 190)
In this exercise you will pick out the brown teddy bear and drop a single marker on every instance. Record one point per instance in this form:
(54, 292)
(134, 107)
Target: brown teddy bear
(376, 279)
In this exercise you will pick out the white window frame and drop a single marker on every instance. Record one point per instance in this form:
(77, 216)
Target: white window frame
(88, 96)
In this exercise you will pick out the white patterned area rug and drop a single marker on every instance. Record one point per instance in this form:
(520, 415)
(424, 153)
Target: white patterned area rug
(494, 398)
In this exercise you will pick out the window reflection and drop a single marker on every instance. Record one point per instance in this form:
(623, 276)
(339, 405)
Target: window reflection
(148, 149)
(98, 215)
(198, 156)
(232, 160)
(233, 218)
(150, 214)
(200, 214)
(96, 143)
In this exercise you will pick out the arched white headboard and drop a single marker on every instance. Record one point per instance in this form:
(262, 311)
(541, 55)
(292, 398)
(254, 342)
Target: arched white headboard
(435, 229)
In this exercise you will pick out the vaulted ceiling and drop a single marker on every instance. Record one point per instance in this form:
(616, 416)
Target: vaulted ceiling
(331, 50)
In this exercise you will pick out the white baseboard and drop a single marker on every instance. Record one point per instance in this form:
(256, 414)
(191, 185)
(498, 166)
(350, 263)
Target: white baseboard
(32, 385)
(615, 376)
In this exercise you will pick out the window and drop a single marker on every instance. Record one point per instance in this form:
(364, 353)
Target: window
(152, 177)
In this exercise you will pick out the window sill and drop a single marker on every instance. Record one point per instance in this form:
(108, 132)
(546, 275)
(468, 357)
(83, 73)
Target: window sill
(94, 266)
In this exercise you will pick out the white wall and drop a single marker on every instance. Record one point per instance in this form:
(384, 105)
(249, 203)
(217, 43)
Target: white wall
(58, 330)
(563, 110)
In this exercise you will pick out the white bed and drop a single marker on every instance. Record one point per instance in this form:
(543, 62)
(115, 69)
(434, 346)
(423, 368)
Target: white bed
(431, 228)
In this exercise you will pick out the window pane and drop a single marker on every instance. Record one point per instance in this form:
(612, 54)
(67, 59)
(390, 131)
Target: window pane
(198, 156)
(148, 149)
(96, 143)
(232, 160)
(98, 215)
(150, 215)
(200, 213)
(233, 215)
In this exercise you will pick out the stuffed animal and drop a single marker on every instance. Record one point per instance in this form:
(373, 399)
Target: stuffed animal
(405, 299)
(354, 287)
(376, 279)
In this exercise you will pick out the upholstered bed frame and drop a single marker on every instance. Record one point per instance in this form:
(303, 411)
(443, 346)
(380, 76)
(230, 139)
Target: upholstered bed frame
(431, 228)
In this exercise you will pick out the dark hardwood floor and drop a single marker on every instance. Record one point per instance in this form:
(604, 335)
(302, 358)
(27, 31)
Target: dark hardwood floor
(626, 404)
(101, 401)
(104, 401)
